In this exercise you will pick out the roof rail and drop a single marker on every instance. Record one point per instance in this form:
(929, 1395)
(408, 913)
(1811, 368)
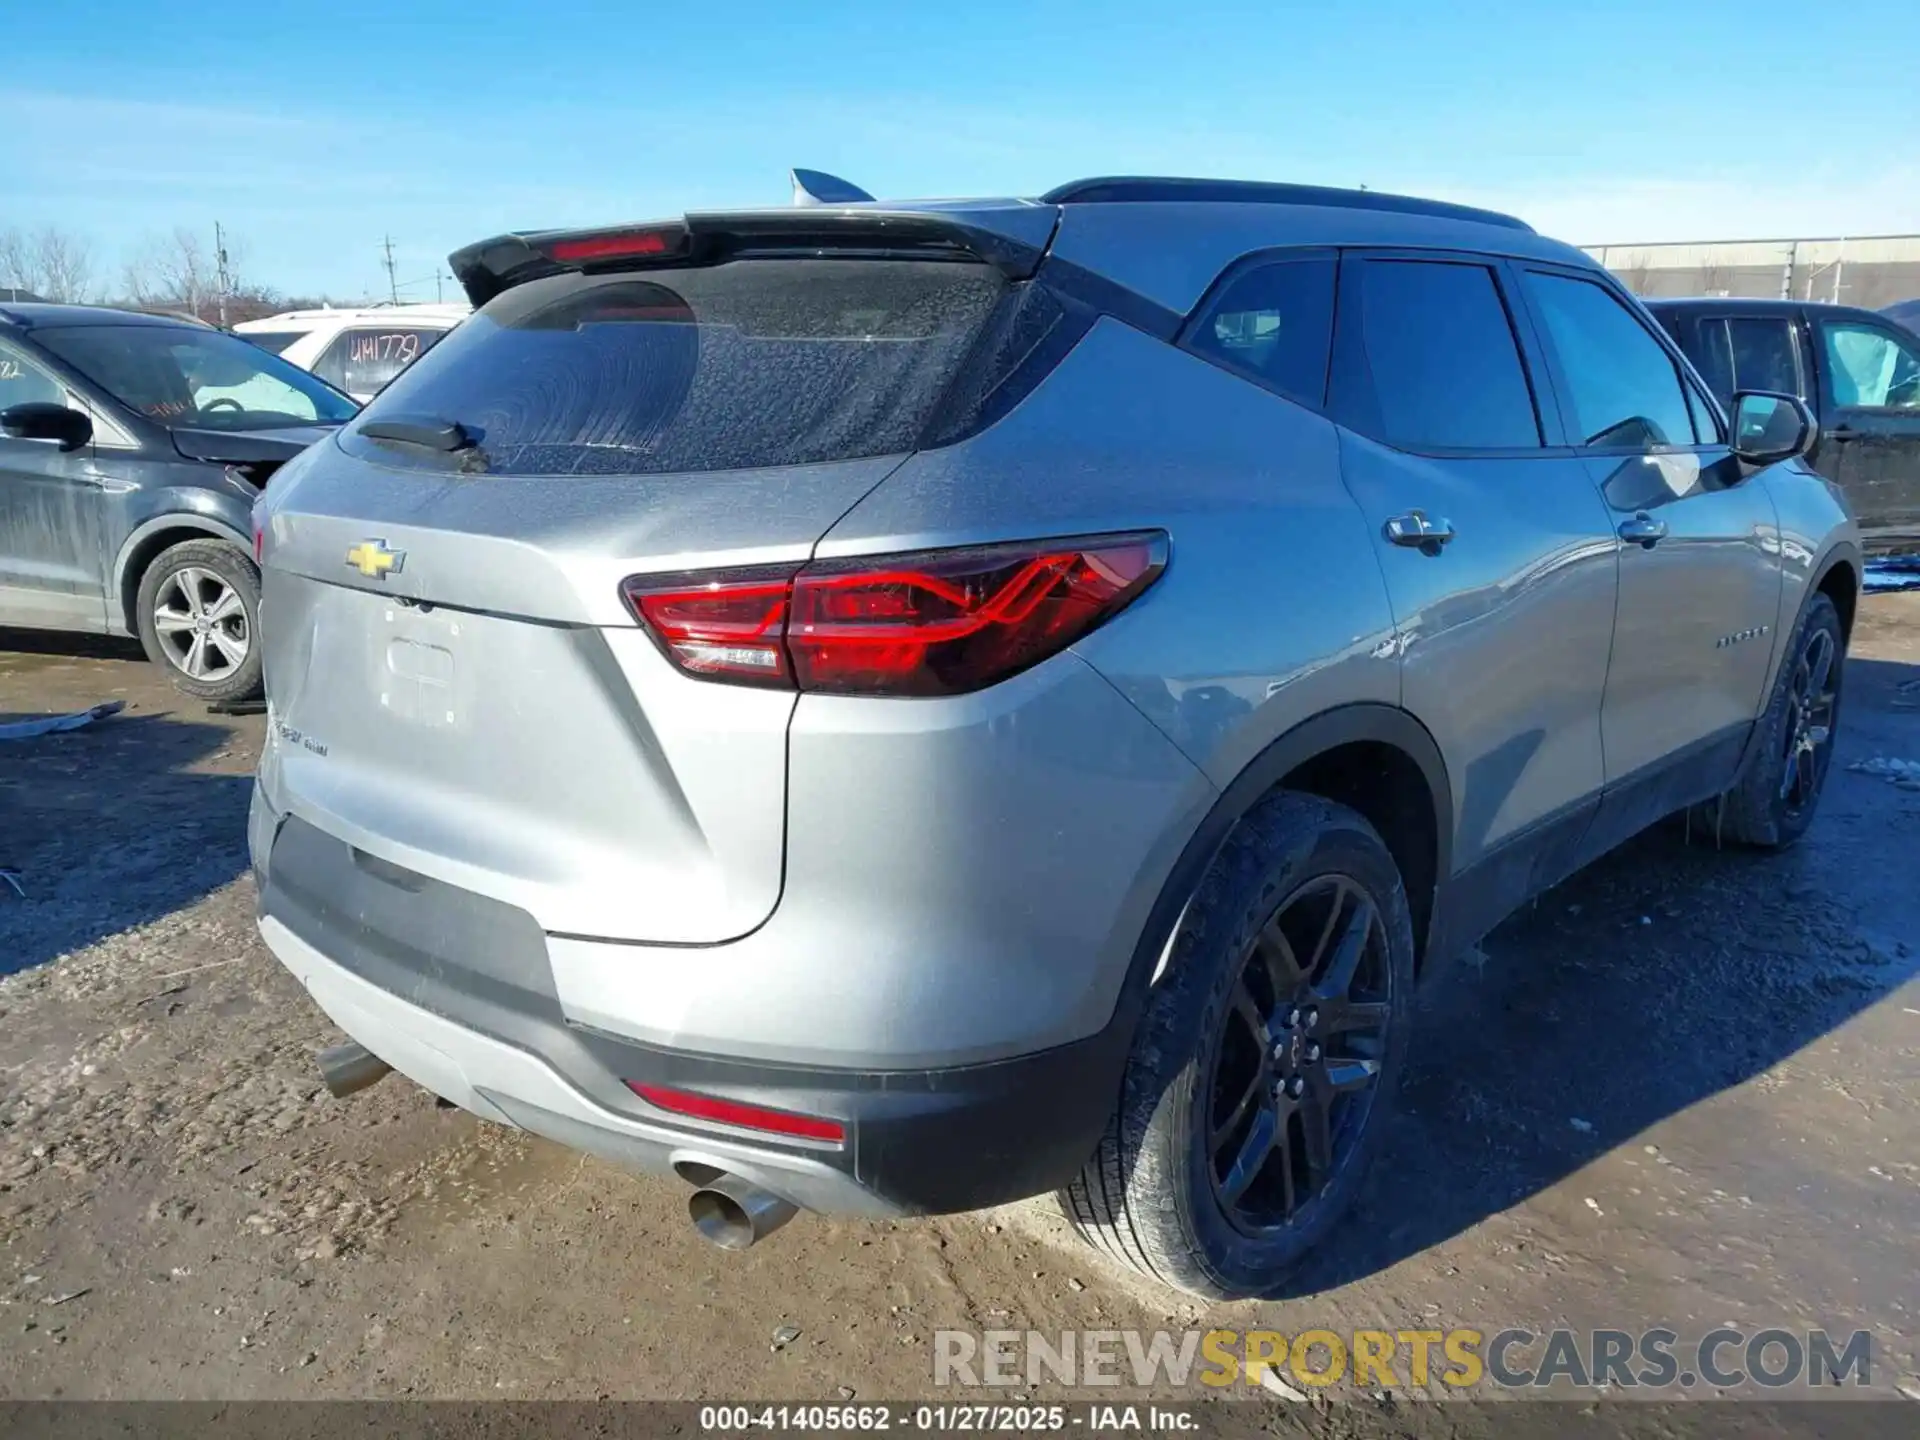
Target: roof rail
(1116, 189)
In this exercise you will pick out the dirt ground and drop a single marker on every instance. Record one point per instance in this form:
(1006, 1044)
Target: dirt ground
(1680, 1090)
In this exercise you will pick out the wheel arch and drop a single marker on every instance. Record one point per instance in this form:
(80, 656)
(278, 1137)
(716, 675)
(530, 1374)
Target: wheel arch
(1839, 579)
(149, 540)
(1378, 759)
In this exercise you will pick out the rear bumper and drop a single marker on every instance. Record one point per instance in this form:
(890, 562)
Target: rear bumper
(454, 991)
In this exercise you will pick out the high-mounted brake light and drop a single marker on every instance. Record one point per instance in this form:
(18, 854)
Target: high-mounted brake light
(732, 1112)
(617, 245)
(935, 622)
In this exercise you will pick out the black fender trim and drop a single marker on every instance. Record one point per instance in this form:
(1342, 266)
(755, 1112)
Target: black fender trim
(1841, 552)
(1344, 725)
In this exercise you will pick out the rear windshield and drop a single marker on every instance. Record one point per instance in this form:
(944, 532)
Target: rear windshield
(749, 364)
(274, 342)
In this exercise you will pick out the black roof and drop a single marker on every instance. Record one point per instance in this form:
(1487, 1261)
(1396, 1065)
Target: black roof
(30, 316)
(1123, 189)
(1745, 305)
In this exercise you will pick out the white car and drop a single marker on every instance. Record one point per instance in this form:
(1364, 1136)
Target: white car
(357, 351)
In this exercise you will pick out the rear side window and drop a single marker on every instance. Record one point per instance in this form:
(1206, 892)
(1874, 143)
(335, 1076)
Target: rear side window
(1624, 388)
(748, 364)
(1712, 356)
(364, 360)
(1764, 355)
(1274, 324)
(1445, 367)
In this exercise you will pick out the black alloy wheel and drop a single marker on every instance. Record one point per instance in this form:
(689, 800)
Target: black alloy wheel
(1301, 1048)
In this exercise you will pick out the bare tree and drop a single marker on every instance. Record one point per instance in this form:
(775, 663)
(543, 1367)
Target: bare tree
(171, 271)
(66, 266)
(52, 263)
(181, 271)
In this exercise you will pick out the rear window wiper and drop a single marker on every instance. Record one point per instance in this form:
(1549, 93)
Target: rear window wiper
(429, 432)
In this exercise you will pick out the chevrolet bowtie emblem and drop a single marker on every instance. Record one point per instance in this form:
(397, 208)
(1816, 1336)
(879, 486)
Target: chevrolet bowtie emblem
(373, 560)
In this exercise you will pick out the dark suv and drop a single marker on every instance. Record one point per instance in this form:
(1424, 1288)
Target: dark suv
(132, 448)
(1858, 370)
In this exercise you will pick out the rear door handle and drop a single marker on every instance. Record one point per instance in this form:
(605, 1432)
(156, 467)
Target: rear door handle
(1643, 530)
(1417, 532)
(1843, 433)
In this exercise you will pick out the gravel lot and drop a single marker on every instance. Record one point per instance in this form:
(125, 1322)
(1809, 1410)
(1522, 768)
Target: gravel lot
(1679, 1090)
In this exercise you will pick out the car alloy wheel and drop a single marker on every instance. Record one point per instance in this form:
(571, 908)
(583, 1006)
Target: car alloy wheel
(201, 623)
(1812, 698)
(1301, 1048)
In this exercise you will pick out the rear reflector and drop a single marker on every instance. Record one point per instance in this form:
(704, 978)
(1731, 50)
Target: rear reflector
(935, 622)
(728, 1112)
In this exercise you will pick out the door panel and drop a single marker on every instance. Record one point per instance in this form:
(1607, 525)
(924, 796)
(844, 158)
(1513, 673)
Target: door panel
(1504, 633)
(51, 566)
(1870, 378)
(1504, 621)
(1698, 607)
(1699, 594)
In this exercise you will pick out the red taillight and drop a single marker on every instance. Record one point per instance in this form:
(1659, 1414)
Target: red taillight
(730, 1112)
(727, 626)
(937, 622)
(941, 623)
(259, 543)
(618, 245)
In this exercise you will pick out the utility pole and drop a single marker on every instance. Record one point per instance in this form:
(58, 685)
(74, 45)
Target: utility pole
(225, 278)
(393, 288)
(437, 278)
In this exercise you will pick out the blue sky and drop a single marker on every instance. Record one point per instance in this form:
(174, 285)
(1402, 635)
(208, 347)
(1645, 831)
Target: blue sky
(311, 131)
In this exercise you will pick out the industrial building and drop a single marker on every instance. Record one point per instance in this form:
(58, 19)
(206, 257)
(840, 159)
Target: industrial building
(1871, 271)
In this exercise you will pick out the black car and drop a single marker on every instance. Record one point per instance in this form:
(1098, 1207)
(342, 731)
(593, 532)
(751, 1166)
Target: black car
(1858, 370)
(132, 449)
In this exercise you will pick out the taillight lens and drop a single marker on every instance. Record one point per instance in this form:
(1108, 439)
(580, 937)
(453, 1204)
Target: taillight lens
(936, 622)
(725, 626)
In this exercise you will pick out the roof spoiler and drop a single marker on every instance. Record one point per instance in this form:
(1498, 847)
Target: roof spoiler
(490, 267)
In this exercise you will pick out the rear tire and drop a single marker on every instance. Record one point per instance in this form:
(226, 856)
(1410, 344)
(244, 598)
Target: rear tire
(1773, 802)
(1213, 1175)
(198, 612)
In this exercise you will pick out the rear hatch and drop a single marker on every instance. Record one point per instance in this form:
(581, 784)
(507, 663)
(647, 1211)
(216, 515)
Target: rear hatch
(456, 683)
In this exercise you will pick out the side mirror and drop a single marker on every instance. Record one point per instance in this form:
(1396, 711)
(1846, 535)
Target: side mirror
(39, 420)
(1769, 427)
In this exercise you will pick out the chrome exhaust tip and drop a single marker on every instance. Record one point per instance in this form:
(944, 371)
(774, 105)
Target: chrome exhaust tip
(349, 1068)
(734, 1214)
